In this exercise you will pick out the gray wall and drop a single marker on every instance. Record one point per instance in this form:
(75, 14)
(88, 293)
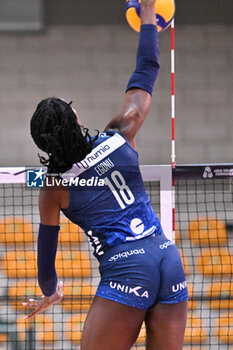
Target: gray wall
(91, 66)
(21, 15)
(112, 12)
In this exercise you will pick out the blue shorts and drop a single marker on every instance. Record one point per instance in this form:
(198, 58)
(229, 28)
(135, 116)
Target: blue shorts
(142, 273)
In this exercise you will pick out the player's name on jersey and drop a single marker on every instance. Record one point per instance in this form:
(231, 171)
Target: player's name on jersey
(104, 167)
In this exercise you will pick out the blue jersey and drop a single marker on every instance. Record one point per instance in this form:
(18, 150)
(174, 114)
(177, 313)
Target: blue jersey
(108, 199)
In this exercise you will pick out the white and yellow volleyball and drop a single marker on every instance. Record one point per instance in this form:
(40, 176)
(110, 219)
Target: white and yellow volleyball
(164, 9)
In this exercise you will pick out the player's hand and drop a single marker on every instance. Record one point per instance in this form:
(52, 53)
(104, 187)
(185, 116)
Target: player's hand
(148, 12)
(148, 2)
(45, 302)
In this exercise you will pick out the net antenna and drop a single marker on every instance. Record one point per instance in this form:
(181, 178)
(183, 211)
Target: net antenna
(173, 111)
(173, 107)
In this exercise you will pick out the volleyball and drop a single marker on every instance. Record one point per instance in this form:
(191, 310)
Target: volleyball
(165, 11)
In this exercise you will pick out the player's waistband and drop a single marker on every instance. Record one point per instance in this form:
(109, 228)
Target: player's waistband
(128, 245)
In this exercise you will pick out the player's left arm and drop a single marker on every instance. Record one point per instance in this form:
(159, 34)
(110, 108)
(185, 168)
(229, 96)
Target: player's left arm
(139, 90)
(50, 202)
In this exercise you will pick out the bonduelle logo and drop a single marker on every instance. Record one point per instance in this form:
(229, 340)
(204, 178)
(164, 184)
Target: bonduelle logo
(35, 178)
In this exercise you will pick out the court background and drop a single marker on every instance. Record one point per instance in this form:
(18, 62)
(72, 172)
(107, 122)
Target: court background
(86, 53)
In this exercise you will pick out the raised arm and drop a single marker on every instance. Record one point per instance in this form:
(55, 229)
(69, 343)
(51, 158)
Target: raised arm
(137, 99)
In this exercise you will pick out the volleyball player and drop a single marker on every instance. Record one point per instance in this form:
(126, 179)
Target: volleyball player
(142, 277)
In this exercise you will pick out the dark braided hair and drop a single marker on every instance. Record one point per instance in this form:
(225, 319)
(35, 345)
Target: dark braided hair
(55, 130)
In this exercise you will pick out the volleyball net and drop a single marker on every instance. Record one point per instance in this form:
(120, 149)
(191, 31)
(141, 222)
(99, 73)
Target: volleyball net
(204, 224)
(203, 232)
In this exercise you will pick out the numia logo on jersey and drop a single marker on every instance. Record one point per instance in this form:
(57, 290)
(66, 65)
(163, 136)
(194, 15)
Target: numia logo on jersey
(128, 290)
(92, 156)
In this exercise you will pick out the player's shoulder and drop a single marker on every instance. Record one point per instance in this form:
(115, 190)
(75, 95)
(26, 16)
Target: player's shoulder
(53, 192)
(108, 134)
(115, 138)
